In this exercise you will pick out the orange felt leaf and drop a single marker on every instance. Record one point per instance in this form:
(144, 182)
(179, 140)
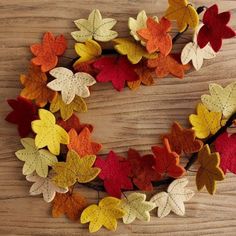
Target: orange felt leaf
(82, 144)
(47, 53)
(70, 204)
(35, 83)
(183, 140)
(165, 65)
(86, 67)
(156, 35)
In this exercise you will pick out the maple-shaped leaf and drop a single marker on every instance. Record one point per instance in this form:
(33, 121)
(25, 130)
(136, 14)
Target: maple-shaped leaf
(75, 169)
(209, 171)
(173, 199)
(86, 67)
(115, 174)
(70, 204)
(24, 112)
(73, 123)
(35, 159)
(183, 140)
(66, 110)
(142, 170)
(183, 12)
(136, 206)
(46, 54)
(35, 83)
(48, 133)
(157, 36)
(226, 146)
(170, 64)
(205, 122)
(70, 84)
(95, 27)
(221, 99)
(44, 186)
(115, 69)
(82, 144)
(215, 28)
(104, 214)
(167, 161)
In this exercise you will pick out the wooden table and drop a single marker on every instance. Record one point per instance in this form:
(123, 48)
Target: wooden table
(122, 120)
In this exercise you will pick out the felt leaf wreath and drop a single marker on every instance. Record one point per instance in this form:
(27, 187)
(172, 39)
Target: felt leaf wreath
(61, 153)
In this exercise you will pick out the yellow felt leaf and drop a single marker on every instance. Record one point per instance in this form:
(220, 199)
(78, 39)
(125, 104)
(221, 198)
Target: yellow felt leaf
(75, 168)
(87, 51)
(35, 159)
(209, 171)
(136, 206)
(221, 99)
(205, 122)
(183, 12)
(48, 133)
(104, 214)
(66, 110)
(134, 51)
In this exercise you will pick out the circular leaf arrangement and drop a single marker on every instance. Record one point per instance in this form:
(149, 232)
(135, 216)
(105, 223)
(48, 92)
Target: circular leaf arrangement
(59, 152)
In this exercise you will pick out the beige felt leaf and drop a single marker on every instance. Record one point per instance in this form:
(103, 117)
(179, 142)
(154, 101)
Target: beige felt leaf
(70, 84)
(95, 27)
(35, 159)
(173, 199)
(221, 99)
(44, 186)
(136, 206)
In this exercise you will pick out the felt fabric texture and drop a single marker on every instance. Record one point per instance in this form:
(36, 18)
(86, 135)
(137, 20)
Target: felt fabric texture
(70, 84)
(167, 161)
(115, 69)
(46, 54)
(173, 199)
(183, 13)
(205, 122)
(157, 36)
(70, 204)
(115, 174)
(75, 169)
(226, 146)
(66, 110)
(215, 28)
(221, 99)
(44, 186)
(35, 86)
(142, 170)
(86, 67)
(82, 143)
(24, 112)
(136, 206)
(35, 159)
(95, 27)
(104, 214)
(183, 140)
(48, 133)
(209, 171)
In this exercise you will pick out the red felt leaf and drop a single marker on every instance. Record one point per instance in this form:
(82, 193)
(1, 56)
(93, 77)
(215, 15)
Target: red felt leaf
(215, 28)
(142, 170)
(24, 111)
(115, 69)
(114, 173)
(167, 161)
(226, 146)
(86, 67)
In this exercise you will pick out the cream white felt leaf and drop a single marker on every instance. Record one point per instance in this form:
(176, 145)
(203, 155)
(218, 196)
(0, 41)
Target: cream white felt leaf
(136, 206)
(221, 99)
(35, 159)
(173, 199)
(44, 186)
(95, 27)
(70, 84)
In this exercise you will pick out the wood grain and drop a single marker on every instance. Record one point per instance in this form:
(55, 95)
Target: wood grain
(122, 120)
